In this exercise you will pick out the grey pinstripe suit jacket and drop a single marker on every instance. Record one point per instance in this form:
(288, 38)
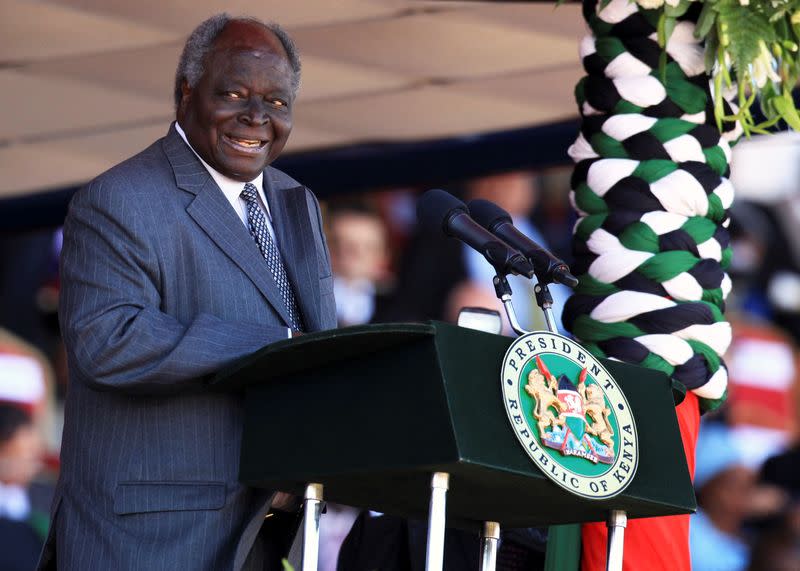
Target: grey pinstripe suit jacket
(162, 285)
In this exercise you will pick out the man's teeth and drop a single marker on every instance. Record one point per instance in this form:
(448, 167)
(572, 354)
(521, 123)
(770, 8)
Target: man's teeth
(246, 142)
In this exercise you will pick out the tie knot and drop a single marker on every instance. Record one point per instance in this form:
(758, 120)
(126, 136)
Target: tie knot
(250, 192)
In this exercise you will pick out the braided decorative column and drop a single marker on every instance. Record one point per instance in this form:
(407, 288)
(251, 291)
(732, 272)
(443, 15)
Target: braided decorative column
(649, 186)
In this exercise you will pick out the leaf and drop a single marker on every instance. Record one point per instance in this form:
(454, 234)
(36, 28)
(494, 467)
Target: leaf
(669, 27)
(660, 29)
(666, 25)
(788, 112)
(706, 21)
(768, 97)
(744, 28)
(777, 18)
(677, 11)
(712, 44)
(719, 109)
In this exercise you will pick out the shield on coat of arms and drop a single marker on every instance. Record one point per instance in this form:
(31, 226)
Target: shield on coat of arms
(573, 413)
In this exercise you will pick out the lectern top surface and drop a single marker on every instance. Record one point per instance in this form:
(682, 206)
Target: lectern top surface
(317, 349)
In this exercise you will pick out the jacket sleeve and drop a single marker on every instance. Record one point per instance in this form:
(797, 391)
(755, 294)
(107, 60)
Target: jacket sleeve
(115, 333)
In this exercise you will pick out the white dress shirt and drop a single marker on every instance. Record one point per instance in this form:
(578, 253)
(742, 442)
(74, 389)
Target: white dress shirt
(232, 189)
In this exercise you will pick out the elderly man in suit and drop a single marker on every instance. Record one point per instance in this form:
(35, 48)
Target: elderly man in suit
(177, 261)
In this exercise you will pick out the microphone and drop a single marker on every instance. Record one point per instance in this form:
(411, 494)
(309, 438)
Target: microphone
(548, 268)
(441, 210)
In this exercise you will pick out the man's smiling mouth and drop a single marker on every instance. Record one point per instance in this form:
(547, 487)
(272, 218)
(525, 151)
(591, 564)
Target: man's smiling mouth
(247, 145)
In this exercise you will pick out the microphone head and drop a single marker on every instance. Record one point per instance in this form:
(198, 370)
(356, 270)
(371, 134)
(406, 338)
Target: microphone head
(487, 214)
(563, 276)
(435, 208)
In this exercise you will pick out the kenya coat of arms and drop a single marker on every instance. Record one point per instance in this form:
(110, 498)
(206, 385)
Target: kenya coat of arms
(570, 415)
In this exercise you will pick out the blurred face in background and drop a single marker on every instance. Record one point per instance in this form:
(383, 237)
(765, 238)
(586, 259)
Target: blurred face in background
(513, 192)
(358, 246)
(21, 456)
(727, 497)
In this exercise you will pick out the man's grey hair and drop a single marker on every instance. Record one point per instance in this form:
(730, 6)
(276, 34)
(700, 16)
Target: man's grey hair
(191, 66)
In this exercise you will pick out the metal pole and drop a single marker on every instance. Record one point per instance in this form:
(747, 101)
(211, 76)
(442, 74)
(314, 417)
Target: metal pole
(312, 508)
(489, 543)
(503, 291)
(617, 520)
(434, 557)
(512, 316)
(550, 319)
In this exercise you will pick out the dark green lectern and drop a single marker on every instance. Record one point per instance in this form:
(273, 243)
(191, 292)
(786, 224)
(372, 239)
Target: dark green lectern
(372, 412)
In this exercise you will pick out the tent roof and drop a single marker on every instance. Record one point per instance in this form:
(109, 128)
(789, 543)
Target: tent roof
(86, 83)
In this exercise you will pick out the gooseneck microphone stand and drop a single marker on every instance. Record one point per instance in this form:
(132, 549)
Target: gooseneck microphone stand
(543, 299)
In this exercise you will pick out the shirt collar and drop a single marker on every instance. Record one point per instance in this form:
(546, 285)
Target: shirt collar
(231, 188)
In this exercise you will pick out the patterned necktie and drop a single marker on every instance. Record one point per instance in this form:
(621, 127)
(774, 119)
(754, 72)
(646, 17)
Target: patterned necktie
(257, 223)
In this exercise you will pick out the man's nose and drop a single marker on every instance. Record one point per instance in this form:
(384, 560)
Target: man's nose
(255, 113)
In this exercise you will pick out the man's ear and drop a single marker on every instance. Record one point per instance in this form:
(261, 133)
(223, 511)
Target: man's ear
(186, 94)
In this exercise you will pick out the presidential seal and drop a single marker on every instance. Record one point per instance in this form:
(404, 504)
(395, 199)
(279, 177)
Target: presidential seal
(569, 415)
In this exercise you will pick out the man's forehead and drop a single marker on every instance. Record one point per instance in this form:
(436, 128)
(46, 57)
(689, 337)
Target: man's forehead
(240, 35)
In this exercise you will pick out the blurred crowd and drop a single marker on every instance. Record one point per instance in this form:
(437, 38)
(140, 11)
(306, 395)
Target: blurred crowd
(388, 269)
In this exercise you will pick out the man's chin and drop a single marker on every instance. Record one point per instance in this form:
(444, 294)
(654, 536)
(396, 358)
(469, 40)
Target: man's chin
(242, 170)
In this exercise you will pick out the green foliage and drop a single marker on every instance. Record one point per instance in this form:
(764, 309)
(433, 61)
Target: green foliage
(741, 28)
(751, 49)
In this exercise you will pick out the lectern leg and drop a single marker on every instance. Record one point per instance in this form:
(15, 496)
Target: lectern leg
(434, 557)
(312, 508)
(490, 537)
(617, 520)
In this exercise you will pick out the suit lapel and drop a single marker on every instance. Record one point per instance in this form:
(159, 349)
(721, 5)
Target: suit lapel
(213, 213)
(292, 225)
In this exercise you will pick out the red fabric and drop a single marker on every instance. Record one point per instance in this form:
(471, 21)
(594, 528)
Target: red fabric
(28, 407)
(769, 408)
(651, 543)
